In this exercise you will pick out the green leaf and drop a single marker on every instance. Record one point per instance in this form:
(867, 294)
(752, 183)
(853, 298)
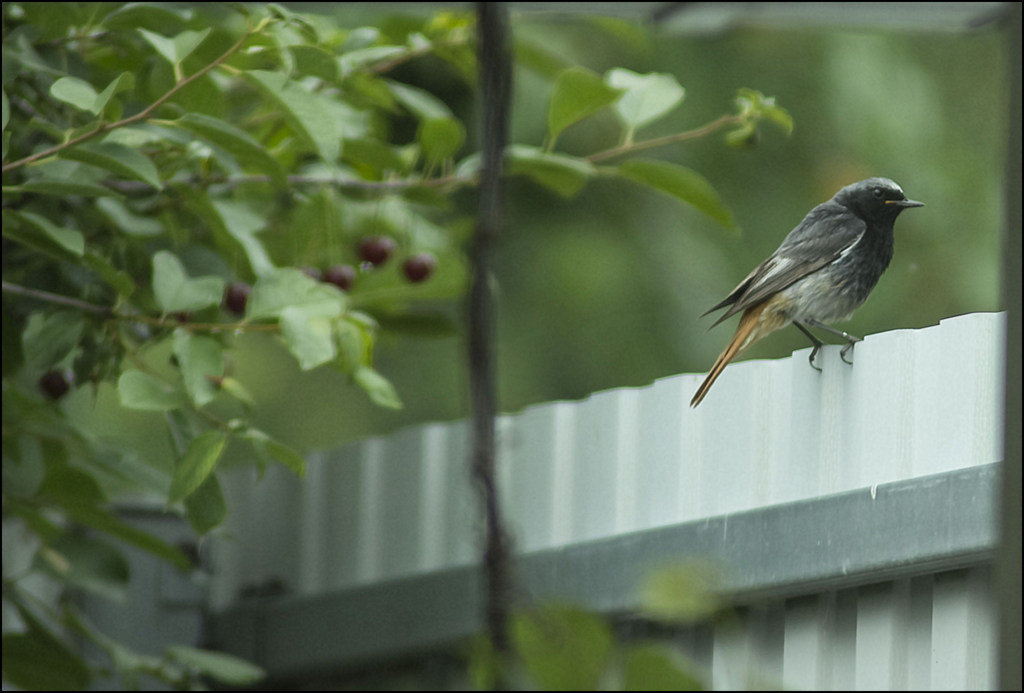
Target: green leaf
(199, 358)
(754, 105)
(286, 456)
(564, 174)
(356, 59)
(175, 291)
(227, 669)
(129, 222)
(138, 390)
(307, 112)
(134, 15)
(563, 648)
(646, 97)
(87, 563)
(197, 464)
(744, 136)
(116, 158)
(119, 279)
(267, 448)
(355, 345)
(577, 93)
(484, 665)
(242, 224)
(69, 240)
(76, 92)
(24, 466)
(375, 385)
(680, 594)
(36, 660)
(205, 508)
(47, 339)
(538, 58)
(378, 156)
(237, 390)
(679, 182)
(654, 668)
(308, 337)
(123, 82)
(780, 117)
(419, 102)
(5, 111)
(441, 138)
(103, 521)
(287, 287)
(249, 153)
(315, 61)
(66, 484)
(176, 49)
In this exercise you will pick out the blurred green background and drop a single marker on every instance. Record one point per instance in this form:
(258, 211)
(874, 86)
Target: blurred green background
(605, 289)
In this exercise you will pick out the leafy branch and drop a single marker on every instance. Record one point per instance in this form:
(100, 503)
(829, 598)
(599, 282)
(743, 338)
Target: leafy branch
(113, 314)
(145, 113)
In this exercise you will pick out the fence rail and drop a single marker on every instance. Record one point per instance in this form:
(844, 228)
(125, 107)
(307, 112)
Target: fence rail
(900, 446)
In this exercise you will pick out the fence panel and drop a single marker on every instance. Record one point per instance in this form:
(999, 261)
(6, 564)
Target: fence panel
(917, 403)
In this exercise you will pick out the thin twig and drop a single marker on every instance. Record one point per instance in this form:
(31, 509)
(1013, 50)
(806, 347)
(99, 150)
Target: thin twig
(58, 299)
(113, 314)
(141, 115)
(131, 186)
(702, 131)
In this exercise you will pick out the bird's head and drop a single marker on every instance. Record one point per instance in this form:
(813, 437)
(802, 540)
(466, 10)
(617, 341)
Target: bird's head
(875, 199)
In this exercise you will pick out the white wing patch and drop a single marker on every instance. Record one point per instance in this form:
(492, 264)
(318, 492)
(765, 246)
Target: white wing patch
(778, 266)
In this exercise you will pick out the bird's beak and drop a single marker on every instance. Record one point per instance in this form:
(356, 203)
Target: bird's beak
(904, 203)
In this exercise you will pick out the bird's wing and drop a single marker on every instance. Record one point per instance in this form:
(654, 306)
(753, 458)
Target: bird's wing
(821, 237)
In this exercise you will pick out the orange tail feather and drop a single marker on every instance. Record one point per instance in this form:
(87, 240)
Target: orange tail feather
(746, 334)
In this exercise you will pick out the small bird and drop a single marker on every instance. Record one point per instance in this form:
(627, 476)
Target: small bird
(822, 272)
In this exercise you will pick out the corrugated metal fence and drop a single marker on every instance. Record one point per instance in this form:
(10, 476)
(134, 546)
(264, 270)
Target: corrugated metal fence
(917, 406)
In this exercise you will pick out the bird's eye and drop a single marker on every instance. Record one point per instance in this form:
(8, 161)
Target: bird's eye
(879, 193)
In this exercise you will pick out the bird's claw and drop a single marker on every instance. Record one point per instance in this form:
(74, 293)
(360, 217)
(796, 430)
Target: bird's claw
(814, 352)
(847, 348)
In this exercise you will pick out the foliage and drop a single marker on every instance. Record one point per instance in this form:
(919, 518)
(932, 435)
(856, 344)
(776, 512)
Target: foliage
(561, 647)
(172, 179)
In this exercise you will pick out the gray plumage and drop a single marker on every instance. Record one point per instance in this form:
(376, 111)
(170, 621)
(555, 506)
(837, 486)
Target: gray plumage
(848, 240)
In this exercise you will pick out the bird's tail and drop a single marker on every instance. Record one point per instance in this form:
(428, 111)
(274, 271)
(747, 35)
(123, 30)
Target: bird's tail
(747, 333)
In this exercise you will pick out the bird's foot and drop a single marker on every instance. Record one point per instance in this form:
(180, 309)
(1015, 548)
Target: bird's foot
(849, 347)
(814, 352)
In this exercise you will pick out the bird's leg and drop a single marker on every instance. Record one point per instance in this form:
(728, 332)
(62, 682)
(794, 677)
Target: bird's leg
(814, 340)
(850, 339)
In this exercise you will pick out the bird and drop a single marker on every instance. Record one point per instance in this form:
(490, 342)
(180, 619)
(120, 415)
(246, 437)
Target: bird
(822, 272)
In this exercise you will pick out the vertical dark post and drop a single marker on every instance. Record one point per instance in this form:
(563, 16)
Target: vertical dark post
(1008, 566)
(495, 92)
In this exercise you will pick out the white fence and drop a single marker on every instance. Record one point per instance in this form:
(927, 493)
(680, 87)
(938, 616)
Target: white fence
(916, 403)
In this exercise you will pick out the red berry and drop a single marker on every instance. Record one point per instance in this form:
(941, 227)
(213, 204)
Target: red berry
(54, 384)
(341, 276)
(419, 267)
(377, 249)
(236, 296)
